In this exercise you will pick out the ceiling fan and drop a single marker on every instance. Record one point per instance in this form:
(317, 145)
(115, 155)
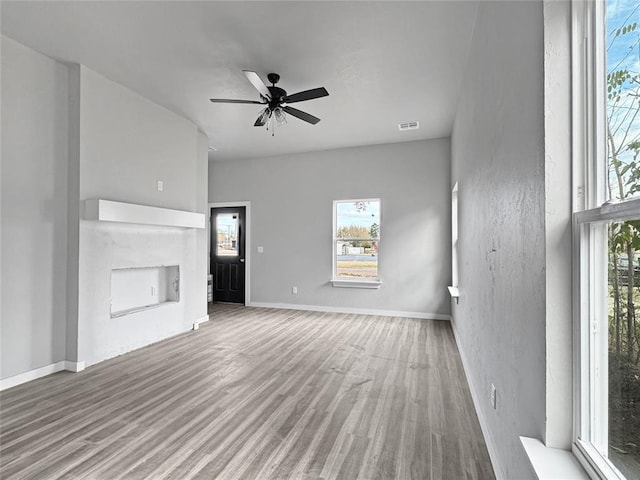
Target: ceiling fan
(277, 100)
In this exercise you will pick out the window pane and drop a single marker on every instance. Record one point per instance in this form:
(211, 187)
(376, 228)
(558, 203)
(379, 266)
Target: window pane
(357, 259)
(624, 347)
(358, 219)
(623, 98)
(357, 239)
(623, 147)
(227, 234)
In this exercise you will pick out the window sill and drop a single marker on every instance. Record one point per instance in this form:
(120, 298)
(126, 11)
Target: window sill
(356, 283)
(129, 311)
(454, 292)
(552, 463)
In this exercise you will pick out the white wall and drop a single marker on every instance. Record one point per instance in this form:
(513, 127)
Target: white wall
(292, 206)
(127, 144)
(498, 162)
(34, 196)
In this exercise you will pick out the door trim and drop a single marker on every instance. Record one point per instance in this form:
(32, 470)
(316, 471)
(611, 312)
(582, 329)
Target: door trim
(247, 257)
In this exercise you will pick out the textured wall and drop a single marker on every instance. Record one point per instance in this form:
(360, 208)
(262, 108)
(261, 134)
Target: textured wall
(292, 210)
(498, 162)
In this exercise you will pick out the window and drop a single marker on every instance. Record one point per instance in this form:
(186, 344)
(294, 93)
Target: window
(227, 231)
(356, 241)
(607, 238)
(453, 288)
(454, 235)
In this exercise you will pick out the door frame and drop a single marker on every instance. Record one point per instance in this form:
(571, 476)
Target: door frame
(247, 244)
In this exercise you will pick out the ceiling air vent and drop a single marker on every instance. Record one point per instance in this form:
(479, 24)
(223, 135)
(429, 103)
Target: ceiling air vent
(408, 126)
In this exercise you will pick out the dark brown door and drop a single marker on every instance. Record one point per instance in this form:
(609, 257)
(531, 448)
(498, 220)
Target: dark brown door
(228, 254)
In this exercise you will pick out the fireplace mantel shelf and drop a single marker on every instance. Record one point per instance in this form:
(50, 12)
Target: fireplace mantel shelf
(110, 211)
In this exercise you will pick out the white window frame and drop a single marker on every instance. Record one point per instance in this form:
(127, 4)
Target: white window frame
(591, 331)
(348, 283)
(592, 213)
(453, 288)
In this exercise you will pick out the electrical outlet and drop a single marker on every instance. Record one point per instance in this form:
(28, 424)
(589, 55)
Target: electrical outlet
(154, 291)
(260, 249)
(160, 185)
(294, 290)
(493, 396)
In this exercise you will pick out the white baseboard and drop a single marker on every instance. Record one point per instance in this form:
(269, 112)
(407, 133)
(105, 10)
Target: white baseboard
(200, 320)
(31, 375)
(74, 366)
(488, 439)
(359, 311)
(40, 372)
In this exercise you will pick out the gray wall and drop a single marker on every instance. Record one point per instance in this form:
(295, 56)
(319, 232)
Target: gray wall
(498, 162)
(34, 196)
(70, 134)
(291, 206)
(127, 144)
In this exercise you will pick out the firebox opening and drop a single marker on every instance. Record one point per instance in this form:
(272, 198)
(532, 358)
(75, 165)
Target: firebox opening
(136, 289)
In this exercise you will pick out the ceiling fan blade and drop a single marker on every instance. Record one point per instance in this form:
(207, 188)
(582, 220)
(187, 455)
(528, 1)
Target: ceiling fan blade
(306, 95)
(301, 115)
(226, 100)
(257, 82)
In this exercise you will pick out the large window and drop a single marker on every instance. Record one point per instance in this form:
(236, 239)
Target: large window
(607, 238)
(356, 241)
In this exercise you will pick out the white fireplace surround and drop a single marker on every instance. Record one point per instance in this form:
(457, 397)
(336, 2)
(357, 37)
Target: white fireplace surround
(137, 285)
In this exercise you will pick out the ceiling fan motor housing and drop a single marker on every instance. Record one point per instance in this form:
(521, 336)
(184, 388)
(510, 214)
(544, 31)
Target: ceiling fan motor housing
(277, 96)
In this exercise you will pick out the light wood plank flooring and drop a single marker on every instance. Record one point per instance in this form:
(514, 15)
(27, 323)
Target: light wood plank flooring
(257, 394)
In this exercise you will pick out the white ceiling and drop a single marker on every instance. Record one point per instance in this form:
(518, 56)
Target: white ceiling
(382, 62)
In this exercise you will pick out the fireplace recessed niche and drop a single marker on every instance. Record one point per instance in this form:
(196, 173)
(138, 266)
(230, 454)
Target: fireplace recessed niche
(137, 289)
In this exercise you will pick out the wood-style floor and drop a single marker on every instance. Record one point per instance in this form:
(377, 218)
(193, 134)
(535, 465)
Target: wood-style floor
(257, 394)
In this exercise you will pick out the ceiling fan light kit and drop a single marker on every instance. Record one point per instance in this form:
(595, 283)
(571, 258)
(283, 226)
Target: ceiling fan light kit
(276, 101)
(267, 117)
